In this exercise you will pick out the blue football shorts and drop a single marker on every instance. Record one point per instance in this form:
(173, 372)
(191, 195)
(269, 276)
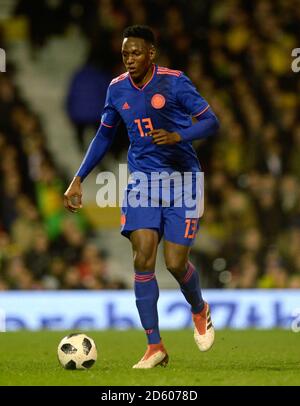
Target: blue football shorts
(170, 204)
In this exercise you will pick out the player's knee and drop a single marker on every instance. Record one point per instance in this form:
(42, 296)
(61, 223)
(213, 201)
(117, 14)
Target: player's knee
(177, 268)
(143, 262)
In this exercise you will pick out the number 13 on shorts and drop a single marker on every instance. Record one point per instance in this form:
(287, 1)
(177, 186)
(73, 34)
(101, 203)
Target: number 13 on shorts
(191, 228)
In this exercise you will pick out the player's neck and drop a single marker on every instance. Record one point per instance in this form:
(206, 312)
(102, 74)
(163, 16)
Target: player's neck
(146, 78)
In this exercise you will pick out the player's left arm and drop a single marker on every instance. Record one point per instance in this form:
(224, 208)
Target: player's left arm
(206, 126)
(196, 106)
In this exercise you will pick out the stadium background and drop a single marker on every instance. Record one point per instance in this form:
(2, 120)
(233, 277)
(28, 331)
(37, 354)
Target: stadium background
(60, 57)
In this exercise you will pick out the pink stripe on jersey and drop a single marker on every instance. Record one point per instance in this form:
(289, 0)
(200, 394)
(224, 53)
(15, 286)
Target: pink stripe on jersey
(167, 73)
(119, 78)
(106, 125)
(163, 68)
(201, 112)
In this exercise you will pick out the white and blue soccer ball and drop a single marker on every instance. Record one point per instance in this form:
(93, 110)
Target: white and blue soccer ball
(77, 351)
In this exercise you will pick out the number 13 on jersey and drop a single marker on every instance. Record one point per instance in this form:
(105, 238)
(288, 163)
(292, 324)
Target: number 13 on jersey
(144, 124)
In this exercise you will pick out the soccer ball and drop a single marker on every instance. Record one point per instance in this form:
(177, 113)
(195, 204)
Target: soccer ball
(77, 351)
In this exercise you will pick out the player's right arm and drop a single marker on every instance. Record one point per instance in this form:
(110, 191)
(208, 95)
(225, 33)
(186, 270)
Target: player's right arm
(96, 151)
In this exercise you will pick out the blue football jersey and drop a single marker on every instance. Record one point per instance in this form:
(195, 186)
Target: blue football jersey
(168, 100)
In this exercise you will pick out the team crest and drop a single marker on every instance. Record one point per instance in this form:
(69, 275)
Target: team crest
(158, 101)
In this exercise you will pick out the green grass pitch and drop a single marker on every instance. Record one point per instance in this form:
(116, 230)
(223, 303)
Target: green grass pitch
(237, 358)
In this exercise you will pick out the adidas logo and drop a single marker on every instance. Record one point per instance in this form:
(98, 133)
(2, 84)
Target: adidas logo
(125, 106)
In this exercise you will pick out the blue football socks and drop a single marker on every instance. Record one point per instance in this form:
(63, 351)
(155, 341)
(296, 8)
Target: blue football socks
(190, 287)
(146, 294)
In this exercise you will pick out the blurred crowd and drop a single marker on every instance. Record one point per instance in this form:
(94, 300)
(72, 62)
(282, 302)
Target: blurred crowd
(238, 53)
(41, 247)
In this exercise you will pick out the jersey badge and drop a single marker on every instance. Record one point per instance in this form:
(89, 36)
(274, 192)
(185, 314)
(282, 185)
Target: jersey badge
(158, 101)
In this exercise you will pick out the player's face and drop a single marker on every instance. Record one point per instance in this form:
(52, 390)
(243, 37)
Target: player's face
(137, 56)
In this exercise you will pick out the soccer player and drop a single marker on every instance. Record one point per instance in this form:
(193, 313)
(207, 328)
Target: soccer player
(157, 105)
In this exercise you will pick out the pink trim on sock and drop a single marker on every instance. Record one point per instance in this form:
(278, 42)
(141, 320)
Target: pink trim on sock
(144, 278)
(189, 272)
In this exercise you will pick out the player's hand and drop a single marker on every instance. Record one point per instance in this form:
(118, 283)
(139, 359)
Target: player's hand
(163, 137)
(73, 195)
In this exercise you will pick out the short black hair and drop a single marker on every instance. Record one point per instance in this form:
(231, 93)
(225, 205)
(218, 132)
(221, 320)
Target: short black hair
(140, 31)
